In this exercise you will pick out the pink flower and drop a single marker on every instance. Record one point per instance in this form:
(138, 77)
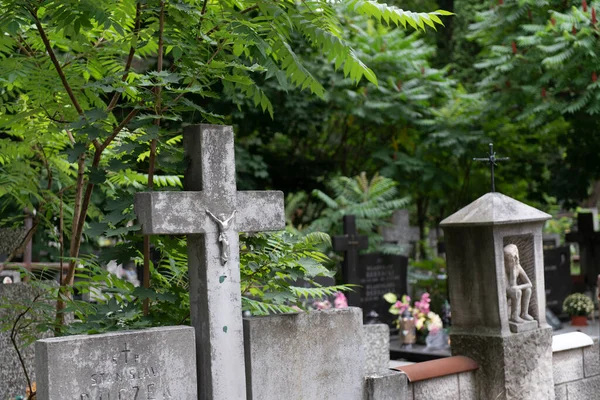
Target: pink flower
(322, 305)
(340, 300)
(423, 304)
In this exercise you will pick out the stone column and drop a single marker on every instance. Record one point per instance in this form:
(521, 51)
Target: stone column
(494, 259)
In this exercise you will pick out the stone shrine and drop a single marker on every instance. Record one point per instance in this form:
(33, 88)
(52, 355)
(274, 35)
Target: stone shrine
(496, 280)
(211, 212)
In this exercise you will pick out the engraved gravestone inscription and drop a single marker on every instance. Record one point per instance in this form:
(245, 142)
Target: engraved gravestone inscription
(153, 364)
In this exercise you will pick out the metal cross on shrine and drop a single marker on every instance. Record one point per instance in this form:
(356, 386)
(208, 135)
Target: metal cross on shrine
(491, 159)
(211, 213)
(350, 243)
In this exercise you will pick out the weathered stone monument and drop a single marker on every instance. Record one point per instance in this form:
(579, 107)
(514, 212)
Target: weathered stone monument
(496, 279)
(211, 212)
(152, 364)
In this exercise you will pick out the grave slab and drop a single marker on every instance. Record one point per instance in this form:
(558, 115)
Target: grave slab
(154, 363)
(315, 355)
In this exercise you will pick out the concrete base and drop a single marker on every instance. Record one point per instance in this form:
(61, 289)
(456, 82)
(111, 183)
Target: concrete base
(516, 366)
(523, 326)
(386, 385)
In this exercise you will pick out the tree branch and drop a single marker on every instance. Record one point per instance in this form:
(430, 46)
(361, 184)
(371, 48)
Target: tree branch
(54, 60)
(152, 160)
(118, 129)
(13, 339)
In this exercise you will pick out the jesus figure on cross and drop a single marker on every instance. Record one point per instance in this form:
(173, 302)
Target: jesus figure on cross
(223, 224)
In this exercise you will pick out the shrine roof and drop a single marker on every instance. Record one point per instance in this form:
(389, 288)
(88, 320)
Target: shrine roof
(494, 209)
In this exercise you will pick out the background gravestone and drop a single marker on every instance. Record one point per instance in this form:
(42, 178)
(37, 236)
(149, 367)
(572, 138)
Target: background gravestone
(380, 274)
(557, 274)
(150, 364)
(350, 243)
(589, 246)
(401, 233)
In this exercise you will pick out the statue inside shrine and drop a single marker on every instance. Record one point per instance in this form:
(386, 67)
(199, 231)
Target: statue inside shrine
(518, 286)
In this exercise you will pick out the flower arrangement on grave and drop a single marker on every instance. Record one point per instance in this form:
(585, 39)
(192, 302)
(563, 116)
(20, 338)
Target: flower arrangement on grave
(339, 301)
(578, 304)
(426, 321)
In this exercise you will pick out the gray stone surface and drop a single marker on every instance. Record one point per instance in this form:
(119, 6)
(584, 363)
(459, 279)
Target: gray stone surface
(467, 386)
(516, 366)
(585, 389)
(567, 366)
(445, 387)
(494, 209)
(215, 297)
(386, 385)
(476, 277)
(155, 363)
(523, 326)
(560, 392)
(377, 347)
(12, 377)
(591, 359)
(305, 356)
(401, 233)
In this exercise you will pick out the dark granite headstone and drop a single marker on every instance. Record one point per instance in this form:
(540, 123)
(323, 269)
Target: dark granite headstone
(379, 274)
(557, 275)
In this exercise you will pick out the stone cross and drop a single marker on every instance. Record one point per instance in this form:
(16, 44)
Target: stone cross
(350, 243)
(491, 159)
(401, 233)
(211, 212)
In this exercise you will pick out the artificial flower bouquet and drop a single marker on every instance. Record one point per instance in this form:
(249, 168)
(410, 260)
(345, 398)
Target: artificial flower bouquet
(426, 321)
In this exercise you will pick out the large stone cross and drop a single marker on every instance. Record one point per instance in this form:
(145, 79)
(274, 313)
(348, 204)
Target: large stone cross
(401, 233)
(350, 243)
(211, 212)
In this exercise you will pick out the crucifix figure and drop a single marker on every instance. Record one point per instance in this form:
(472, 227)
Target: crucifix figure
(491, 159)
(223, 224)
(215, 293)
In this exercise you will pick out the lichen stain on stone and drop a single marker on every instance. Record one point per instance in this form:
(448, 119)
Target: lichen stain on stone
(222, 278)
(225, 329)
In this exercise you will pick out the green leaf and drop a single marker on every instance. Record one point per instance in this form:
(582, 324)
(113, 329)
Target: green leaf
(97, 176)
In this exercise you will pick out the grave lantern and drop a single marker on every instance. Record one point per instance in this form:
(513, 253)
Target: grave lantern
(495, 265)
